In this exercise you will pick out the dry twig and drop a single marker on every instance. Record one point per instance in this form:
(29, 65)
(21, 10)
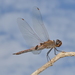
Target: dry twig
(50, 63)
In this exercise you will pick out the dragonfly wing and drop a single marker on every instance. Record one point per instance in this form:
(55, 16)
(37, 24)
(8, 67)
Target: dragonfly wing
(38, 24)
(36, 52)
(29, 35)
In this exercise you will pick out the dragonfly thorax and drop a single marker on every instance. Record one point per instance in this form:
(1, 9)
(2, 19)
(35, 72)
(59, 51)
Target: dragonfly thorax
(49, 44)
(58, 43)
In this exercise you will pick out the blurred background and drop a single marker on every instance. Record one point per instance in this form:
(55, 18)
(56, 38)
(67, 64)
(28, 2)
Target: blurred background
(59, 19)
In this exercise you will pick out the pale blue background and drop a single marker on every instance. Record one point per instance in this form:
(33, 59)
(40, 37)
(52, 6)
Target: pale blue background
(59, 19)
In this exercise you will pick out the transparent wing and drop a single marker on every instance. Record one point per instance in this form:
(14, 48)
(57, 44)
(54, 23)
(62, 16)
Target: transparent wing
(36, 52)
(38, 24)
(29, 35)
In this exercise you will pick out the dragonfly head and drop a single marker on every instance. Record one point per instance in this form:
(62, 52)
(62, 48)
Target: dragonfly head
(58, 43)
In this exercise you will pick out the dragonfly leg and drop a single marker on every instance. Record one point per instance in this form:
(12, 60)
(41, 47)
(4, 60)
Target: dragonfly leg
(57, 50)
(48, 54)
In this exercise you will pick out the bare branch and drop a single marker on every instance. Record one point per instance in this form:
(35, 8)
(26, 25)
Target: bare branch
(51, 62)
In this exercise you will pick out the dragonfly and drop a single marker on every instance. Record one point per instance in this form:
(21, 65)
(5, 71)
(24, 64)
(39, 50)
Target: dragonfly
(37, 38)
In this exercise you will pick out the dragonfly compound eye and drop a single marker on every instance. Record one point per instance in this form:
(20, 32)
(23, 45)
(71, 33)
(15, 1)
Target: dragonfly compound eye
(58, 43)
